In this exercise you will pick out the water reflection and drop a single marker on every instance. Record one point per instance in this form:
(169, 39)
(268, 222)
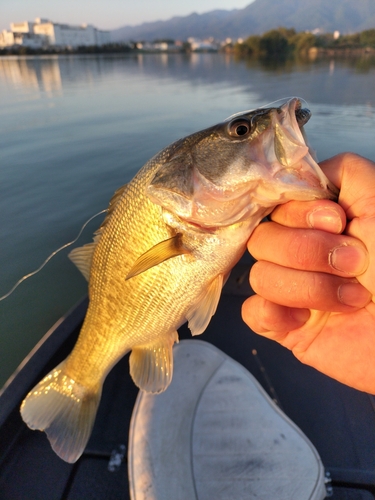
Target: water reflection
(50, 75)
(331, 67)
(38, 74)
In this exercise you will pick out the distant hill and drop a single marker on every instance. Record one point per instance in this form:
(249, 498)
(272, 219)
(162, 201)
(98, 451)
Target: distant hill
(347, 16)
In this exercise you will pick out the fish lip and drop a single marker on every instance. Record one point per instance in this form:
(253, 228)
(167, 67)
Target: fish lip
(293, 105)
(301, 114)
(302, 182)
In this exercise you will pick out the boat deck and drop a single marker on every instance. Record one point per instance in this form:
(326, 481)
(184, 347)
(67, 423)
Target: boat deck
(338, 420)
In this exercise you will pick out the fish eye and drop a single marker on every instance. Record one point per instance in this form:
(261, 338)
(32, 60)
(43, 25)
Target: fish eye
(239, 127)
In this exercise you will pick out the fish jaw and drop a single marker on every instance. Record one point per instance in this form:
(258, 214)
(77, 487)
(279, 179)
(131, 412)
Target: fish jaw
(295, 174)
(220, 179)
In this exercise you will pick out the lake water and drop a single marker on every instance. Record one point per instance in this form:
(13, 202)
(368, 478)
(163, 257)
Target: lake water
(75, 128)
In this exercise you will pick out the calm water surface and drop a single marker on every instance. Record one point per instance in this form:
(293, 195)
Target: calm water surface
(75, 128)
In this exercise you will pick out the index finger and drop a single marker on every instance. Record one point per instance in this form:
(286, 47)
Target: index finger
(355, 176)
(325, 215)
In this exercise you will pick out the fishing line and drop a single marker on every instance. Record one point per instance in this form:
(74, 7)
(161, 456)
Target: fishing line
(52, 255)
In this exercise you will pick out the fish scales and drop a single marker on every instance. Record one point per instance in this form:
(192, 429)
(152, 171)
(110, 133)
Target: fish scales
(161, 257)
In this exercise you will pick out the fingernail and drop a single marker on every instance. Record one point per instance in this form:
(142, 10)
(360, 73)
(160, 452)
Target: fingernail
(349, 259)
(353, 294)
(326, 219)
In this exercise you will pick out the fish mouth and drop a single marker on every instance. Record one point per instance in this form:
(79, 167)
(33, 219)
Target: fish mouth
(291, 162)
(297, 166)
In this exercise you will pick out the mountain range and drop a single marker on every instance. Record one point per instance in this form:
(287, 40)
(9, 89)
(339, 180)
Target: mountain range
(346, 16)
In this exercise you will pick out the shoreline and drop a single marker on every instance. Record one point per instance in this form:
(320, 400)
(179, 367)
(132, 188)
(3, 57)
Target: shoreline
(338, 51)
(312, 53)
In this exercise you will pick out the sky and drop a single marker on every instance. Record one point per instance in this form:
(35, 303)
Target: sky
(107, 14)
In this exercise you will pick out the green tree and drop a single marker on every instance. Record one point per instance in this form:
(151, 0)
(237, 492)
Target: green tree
(302, 42)
(274, 43)
(367, 38)
(288, 33)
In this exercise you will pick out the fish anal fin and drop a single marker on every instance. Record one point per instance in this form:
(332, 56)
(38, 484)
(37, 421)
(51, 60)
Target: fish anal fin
(151, 366)
(201, 313)
(82, 257)
(64, 410)
(157, 254)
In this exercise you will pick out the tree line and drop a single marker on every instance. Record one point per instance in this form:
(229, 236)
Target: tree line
(282, 41)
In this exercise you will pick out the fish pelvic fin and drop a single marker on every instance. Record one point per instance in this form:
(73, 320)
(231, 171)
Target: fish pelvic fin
(64, 410)
(201, 313)
(158, 254)
(151, 366)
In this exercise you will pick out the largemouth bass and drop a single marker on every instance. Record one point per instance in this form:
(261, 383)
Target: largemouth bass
(167, 245)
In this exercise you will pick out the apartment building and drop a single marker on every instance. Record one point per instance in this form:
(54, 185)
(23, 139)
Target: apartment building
(46, 33)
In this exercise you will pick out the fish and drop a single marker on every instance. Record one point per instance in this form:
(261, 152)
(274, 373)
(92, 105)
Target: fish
(163, 253)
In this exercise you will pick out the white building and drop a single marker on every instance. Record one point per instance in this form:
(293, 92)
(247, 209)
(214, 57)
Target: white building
(202, 45)
(24, 27)
(47, 33)
(102, 37)
(29, 40)
(6, 38)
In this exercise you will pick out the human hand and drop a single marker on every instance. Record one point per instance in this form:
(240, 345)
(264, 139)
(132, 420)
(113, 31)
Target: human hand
(315, 276)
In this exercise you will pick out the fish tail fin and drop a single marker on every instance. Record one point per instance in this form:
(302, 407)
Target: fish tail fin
(65, 410)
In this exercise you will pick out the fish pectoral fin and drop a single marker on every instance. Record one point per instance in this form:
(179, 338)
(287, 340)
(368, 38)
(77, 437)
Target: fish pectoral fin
(151, 366)
(65, 410)
(82, 257)
(201, 313)
(158, 254)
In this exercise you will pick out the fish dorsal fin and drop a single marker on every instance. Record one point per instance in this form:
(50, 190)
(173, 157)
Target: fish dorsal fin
(201, 313)
(112, 205)
(158, 254)
(82, 256)
(115, 198)
(151, 366)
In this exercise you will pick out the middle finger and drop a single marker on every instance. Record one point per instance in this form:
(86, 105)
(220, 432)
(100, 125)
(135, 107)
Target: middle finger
(309, 249)
(309, 290)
